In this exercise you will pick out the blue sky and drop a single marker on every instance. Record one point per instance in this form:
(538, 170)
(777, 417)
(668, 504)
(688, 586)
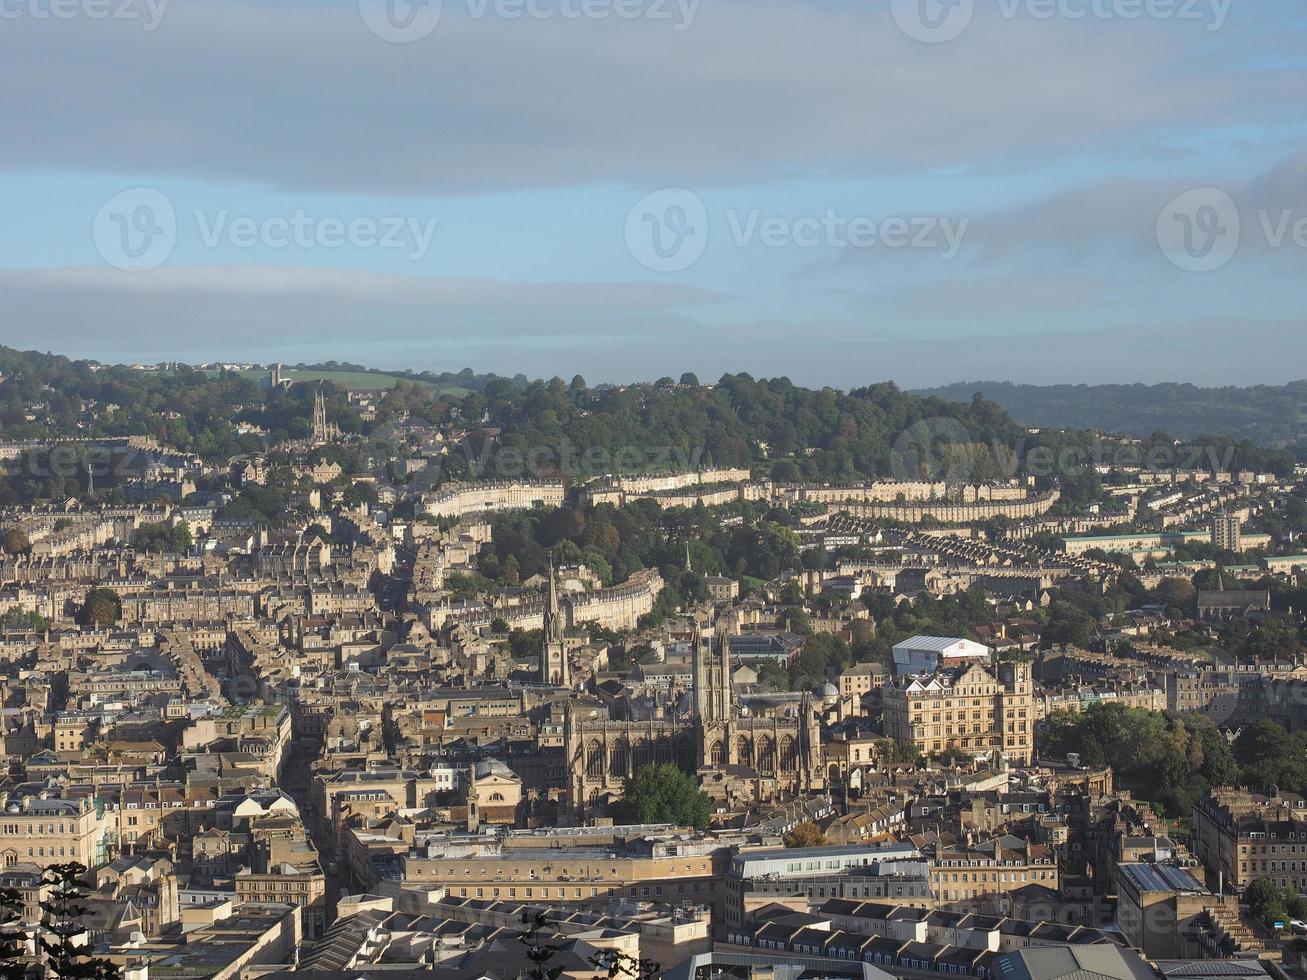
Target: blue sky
(1034, 190)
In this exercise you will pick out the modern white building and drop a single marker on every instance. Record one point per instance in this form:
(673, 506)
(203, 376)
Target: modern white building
(927, 654)
(808, 862)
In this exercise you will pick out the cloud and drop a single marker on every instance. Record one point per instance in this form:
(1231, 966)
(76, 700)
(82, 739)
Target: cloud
(302, 96)
(237, 312)
(955, 300)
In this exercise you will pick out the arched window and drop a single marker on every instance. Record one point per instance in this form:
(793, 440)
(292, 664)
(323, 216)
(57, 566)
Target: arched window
(744, 751)
(594, 760)
(717, 754)
(642, 754)
(620, 760)
(789, 755)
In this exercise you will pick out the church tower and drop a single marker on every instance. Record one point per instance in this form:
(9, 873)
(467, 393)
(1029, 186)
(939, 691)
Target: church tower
(712, 677)
(321, 431)
(554, 668)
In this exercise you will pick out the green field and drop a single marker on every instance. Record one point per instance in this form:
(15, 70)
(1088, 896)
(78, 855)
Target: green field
(350, 379)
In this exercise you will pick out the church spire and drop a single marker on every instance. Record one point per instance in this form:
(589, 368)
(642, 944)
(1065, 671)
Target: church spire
(554, 668)
(553, 622)
(322, 431)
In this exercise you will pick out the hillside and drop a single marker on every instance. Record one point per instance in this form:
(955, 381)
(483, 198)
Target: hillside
(509, 428)
(1267, 415)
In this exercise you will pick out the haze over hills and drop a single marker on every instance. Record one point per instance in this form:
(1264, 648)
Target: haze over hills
(1266, 414)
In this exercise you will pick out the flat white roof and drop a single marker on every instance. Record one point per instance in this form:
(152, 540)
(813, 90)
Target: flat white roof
(937, 643)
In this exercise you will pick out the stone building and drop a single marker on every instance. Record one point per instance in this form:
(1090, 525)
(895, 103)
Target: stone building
(979, 709)
(712, 734)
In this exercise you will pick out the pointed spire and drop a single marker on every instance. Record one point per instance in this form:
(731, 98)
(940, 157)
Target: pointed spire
(553, 625)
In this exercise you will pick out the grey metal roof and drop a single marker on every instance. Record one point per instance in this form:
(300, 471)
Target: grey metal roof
(1161, 878)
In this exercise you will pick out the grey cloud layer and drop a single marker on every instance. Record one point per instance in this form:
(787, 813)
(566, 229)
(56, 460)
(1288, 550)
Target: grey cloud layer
(301, 95)
(211, 312)
(607, 332)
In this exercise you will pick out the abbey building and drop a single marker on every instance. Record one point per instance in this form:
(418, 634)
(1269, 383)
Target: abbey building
(756, 748)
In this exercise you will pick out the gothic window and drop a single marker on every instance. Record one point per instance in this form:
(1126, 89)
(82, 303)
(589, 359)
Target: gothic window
(717, 754)
(594, 760)
(643, 754)
(744, 751)
(789, 757)
(766, 754)
(620, 763)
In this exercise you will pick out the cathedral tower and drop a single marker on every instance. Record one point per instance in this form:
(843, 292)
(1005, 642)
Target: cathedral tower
(712, 676)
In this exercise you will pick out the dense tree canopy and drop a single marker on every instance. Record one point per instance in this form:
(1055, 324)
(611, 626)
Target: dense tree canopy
(662, 793)
(101, 607)
(1169, 760)
(806, 834)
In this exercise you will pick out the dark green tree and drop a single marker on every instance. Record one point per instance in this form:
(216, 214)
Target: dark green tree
(63, 927)
(616, 965)
(14, 541)
(538, 948)
(101, 607)
(1067, 624)
(662, 793)
(360, 492)
(12, 935)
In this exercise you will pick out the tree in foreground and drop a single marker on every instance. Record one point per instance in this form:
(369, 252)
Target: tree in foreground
(63, 928)
(616, 965)
(663, 793)
(538, 950)
(12, 935)
(806, 834)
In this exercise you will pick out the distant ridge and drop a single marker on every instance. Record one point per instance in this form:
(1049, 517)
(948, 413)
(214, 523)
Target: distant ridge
(1269, 415)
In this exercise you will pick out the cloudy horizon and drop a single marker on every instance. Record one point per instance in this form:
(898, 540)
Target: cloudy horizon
(1038, 191)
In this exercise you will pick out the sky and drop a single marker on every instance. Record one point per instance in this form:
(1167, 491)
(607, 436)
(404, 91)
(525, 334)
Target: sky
(923, 191)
